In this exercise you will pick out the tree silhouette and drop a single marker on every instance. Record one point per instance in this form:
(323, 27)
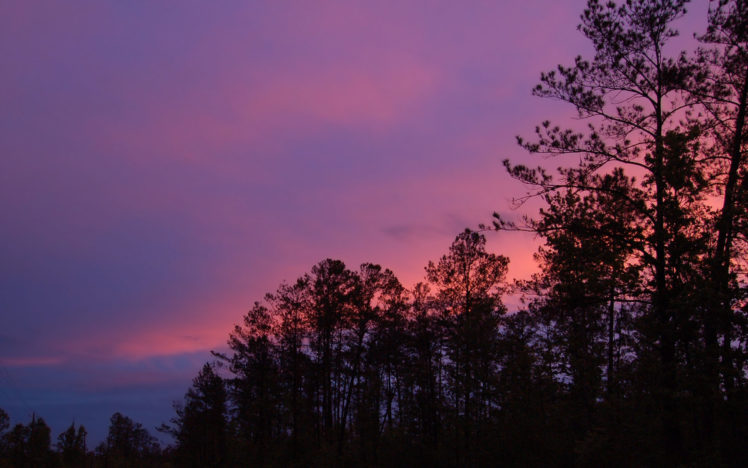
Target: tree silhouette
(290, 304)
(468, 282)
(254, 389)
(4, 425)
(646, 117)
(128, 444)
(201, 426)
(29, 446)
(721, 88)
(71, 445)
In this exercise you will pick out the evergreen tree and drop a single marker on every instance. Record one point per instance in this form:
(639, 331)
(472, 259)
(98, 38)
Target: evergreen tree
(71, 445)
(29, 446)
(721, 88)
(4, 425)
(16, 446)
(377, 358)
(469, 282)
(423, 375)
(332, 290)
(128, 444)
(677, 124)
(254, 389)
(200, 426)
(291, 305)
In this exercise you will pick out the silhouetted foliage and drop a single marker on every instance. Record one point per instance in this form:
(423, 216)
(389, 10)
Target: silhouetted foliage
(26, 445)
(200, 427)
(468, 283)
(4, 422)
(641, 299)
(71, 445)
(4, 425)
(128, 444)
(346, 367)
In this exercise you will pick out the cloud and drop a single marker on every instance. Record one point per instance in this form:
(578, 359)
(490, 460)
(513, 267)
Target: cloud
(28, 361)
(164, 166)
(410, 232)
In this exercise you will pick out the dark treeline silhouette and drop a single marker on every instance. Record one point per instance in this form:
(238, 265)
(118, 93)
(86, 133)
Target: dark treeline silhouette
(631, 344)
(346, 367)
(128, 445)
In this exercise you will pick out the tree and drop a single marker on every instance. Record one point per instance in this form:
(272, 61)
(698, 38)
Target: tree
(71, 444)
(721, 88)
(4, 422)
(290, 304)
(4, 425)
(332, 289)
(128, 444)
(254, 387)
(423, 375)
(583, 295)
(16, 445)
(527, 391)
(200, 426)
(376, 357)
(633, 96)
(29, 446)
(469, 283)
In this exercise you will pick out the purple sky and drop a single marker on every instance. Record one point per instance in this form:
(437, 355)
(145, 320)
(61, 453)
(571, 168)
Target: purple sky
(164, 164)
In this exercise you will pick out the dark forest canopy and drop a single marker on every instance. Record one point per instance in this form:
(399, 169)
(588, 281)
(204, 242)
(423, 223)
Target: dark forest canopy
(630, 348)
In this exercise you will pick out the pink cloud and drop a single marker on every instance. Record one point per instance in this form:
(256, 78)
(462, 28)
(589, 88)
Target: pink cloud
(256, 113)
(31, 361)
(343, 96)
(171, 115)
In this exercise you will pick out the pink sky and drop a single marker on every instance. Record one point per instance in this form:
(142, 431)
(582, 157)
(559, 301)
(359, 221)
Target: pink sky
(167, 164)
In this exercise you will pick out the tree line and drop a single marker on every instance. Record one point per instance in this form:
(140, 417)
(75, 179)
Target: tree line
(630, 347)
(347, 367)
(128, 444)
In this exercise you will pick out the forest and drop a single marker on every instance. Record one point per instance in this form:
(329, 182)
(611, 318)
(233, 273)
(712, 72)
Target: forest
(629, 348)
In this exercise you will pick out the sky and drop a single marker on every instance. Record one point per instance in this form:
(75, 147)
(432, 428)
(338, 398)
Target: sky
(163, 165)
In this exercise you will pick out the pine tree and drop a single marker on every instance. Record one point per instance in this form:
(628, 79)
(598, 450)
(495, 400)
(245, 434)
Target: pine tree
(468, 282)
(640, 121)
(71, 444)
(201, 426)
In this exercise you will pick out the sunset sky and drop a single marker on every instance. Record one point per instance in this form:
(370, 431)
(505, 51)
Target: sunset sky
(165, 164)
